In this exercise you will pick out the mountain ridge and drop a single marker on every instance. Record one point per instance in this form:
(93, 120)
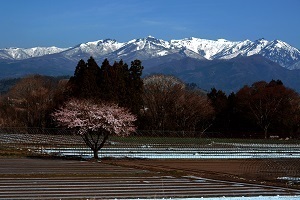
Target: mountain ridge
(275, 50)
(226, 65)
(229, 75)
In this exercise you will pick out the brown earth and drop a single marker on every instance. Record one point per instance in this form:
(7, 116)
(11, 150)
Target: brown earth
(57, 178)
(258, 171)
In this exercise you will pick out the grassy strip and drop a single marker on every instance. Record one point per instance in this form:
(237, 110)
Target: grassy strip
(78, 175)
(192, 140)
(6, 152)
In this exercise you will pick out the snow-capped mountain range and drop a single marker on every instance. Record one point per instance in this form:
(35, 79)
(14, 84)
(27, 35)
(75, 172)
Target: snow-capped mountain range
(22, 53)
(223, 64)
(150, 48)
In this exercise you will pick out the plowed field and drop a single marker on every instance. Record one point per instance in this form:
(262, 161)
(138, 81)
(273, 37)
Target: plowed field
(25, 178)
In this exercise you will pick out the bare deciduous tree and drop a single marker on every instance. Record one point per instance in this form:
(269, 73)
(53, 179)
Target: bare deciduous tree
(169, 105)
(160, 91)
(193, 110)
(29, 101)
(268, 103)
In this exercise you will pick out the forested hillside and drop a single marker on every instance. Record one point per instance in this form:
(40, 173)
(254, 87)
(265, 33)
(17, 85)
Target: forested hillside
(160, 102)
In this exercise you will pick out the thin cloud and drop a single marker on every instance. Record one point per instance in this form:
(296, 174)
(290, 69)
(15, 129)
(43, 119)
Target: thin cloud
(153, 22)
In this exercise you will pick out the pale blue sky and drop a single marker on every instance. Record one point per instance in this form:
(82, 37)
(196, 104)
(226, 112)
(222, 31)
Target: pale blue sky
(65, 23)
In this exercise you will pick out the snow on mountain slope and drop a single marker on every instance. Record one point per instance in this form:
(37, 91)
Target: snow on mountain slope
(150, 48)
(243, 48)
(24, 53)
(95, 49)
(277, 51)
(295, 66)
(206, 48)
(281, 53)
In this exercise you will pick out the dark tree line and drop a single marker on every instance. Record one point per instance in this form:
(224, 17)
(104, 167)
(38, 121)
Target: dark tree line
(169, 104)
(160, 102)
(30, 101)
(258, 110)
(116, 83)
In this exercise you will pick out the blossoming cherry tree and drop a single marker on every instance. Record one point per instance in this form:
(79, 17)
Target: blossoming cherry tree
(94, 122)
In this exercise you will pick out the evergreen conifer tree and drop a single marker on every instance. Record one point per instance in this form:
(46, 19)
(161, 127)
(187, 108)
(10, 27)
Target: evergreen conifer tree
(135, 86)
(76, 80)
(84, 83)
(111, 83)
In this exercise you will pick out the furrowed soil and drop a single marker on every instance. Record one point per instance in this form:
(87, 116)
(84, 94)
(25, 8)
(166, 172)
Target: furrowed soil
(258, 171)
(38, 177)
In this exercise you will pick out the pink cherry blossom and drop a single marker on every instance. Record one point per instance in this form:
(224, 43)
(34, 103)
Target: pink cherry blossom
(90, 119)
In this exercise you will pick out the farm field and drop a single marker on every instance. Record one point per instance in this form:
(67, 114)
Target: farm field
(37, 166)
(273, 172)
(32, 178)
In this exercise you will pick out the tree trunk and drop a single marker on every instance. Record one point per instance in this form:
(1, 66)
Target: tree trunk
(266, 132)
(96, 154)
(92, 140)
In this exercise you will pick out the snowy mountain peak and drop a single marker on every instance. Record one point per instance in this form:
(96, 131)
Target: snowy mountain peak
(222, 40)
(204, 47)
(95, 48)
(280, 44)
(149, 44)
(261, 41)
(281, 53)
(101, 42)
(25, 53)
(151, 47)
